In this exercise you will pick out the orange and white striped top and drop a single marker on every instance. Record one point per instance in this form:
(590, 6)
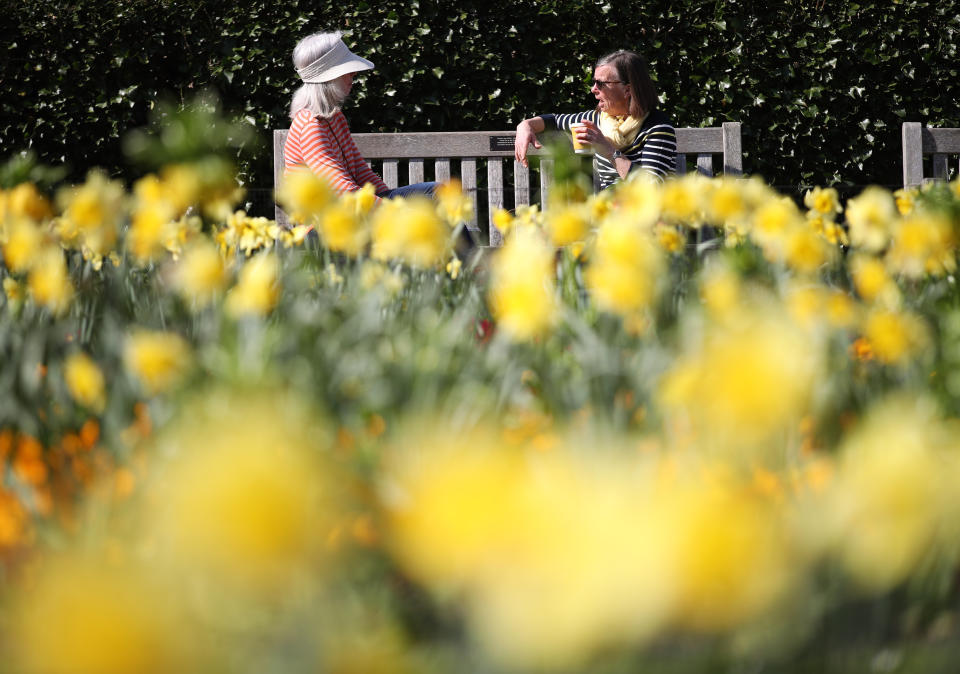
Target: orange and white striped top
(326, 147)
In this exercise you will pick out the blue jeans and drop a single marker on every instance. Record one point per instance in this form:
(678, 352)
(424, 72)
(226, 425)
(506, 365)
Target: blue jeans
(426, 189)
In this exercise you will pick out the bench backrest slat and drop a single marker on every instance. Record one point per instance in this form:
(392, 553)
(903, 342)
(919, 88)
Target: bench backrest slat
(521, 184)
(494, 196)
(441, 170)
(546, 179)
(918, 141)
(415, 171)
(391, 173)
(389, 149)
(468, 181)
(705, 165)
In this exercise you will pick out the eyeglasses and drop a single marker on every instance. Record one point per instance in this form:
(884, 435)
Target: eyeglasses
(600, 84)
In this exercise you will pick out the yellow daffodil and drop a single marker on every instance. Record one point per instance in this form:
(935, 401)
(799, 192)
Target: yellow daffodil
(453, 268)
(243, 504)
(94, 210)
(823, 201)
(745, 381)
(85, 381)
(257, 290)
(22, 248)
(49, 282)
(157, 360)
(894, 336)
(453, 204)
(683, 199)
(870, 216)
(888, 492)
(87, 616)
(625, 268)
(200, 275)
(872, 281)
(304, 195)
(343, 229)
(922, 243)
(25, 201)
(567, 223)
(522, 296)
(410, 230)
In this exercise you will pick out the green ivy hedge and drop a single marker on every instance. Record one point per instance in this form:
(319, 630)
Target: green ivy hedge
(821, 88)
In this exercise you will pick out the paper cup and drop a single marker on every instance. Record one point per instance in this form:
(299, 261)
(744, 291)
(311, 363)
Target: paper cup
(578, 147)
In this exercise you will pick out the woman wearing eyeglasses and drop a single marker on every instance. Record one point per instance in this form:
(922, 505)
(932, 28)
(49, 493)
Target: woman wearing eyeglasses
(626, 131)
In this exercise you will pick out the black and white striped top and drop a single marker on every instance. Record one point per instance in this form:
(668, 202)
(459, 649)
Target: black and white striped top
(654, 150)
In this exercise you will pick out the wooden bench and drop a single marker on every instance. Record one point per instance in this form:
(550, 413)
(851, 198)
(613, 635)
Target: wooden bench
(468, 148)
(918, 141)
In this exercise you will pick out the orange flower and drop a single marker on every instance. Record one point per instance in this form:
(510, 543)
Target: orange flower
(861, 349)
(90, 433)
(14, 524)
(28, 465)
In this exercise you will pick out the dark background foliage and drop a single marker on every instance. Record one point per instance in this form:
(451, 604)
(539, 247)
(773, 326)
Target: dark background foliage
(821, 88)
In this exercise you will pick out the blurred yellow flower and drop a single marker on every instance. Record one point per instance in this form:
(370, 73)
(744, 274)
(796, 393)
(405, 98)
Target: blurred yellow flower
(870, 216)
(567, 223)
(726, 201)
(49, 282)
(671, 238)
(85, 381)
(158, 360)
(773, 222)
(638, 198)
(94, 210)
(887, 498)
(625, 267)
(304, 195)
(257, 290)
(534, 542)
(905, 199)
(502, 220)
(22, 246)
(872, 281)
(87, 616)
(24, 201)
(180, 185)
(805, 251)
(841, 311)
(200, 275)
(832, 231)
(731, 557)
(522, 296)
(243, 500)
(14, 292)
(894, 336)
(410, 230)
(150, 229)
(745, 381)
(823, 200)
(922, 243)
(454, 206)
(453, 268)
(247, 235)
(343, 229)
(683, 199)
(719, 287)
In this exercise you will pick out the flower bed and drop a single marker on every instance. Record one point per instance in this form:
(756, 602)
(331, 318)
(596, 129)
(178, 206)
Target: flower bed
(689, 425)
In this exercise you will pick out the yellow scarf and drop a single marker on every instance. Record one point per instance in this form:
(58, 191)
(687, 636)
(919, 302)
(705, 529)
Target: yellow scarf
(621, 131)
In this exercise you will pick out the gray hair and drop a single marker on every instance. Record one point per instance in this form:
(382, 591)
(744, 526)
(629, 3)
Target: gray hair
(322, 99)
